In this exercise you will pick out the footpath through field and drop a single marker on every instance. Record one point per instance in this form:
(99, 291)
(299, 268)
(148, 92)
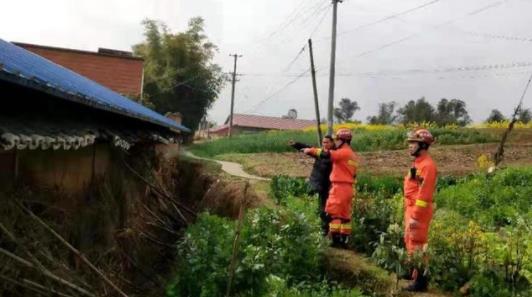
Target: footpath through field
(231, 168)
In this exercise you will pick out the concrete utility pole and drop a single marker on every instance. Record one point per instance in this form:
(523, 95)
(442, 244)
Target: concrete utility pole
(330, 119)
(235, 56)
(315, 89)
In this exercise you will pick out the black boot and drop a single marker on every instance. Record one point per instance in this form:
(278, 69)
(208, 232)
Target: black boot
(336, 240)
(407, 274)
(419, 284)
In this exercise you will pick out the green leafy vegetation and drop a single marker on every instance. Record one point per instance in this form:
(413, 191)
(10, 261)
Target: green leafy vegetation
(364, 140)
(282, 187)
(480, 240)
(480, 236)
(179, 73)
(280, 252)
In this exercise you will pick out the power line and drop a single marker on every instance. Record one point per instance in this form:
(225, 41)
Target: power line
(401, 40)
(468, 68)
(279, 90)
(320, 9)
(300, 10)
(287, 68)
(320, 23)
(389, 17)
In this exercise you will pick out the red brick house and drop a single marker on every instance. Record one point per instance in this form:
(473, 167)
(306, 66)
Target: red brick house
(117, 70)
(247, 123)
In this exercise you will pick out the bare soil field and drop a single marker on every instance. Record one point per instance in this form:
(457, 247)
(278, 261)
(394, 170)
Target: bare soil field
(451, 160)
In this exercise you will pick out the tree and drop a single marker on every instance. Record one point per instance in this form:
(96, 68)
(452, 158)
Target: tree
(416, 112)
(385, 115)
(495, 116)
(524, 115)
(452, 112)
(179, 74)
(346, 110)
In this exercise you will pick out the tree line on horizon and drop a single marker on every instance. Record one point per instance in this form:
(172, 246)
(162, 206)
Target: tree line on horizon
(445, 112)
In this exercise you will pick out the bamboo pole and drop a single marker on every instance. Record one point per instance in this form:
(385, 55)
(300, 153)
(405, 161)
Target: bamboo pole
(236, 241)
(160, 192)
(46, 273)
(75, 251)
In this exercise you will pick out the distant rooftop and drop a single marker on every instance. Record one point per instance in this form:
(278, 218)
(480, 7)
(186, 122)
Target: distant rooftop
(266, 122)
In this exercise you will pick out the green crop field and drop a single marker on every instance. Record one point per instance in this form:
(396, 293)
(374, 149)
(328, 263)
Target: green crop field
(364, 140)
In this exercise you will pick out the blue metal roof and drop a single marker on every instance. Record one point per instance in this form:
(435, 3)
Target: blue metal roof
(23, 67)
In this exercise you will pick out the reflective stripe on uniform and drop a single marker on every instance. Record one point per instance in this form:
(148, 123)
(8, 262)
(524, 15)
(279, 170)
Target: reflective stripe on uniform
(345, 229)
(335, 225)
(421, 203)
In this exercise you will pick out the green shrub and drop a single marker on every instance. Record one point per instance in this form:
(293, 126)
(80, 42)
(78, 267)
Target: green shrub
(372, 214)
(282, 187)
(279, 288)
(281, 242)
(480, 233)
(492, 201)
(205, 254)
(386, 186)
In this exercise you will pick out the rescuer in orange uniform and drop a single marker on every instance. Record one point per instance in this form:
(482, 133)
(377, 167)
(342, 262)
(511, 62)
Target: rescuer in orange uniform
(419, 187)
(339, 203)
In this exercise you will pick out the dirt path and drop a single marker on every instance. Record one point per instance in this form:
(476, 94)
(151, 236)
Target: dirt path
(230, 168)
(353, 270)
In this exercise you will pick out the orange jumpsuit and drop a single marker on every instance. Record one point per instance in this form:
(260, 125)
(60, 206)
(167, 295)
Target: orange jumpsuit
(418, 192)
(339, 203)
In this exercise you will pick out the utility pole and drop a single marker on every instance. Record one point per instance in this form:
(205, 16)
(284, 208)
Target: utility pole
(235, 56)
(315, 89)
(330, 119)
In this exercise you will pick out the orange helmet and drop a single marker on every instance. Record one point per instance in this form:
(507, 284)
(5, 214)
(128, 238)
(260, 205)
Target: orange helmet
(421, 135)
(344, 134)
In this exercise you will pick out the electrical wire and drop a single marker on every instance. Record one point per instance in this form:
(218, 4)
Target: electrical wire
(263, 101)
(411, 36)
(387, 18)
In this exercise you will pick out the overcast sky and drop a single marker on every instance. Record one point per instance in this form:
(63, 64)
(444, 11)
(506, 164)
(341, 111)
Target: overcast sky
(479, 51)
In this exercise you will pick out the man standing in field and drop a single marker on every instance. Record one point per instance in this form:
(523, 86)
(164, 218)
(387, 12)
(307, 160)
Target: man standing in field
(319, 178)
(419, 187)
(339, 203)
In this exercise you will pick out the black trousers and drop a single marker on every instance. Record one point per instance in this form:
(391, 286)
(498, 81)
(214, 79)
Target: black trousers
(322, 202)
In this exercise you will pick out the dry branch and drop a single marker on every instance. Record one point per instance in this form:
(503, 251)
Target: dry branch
(161, 193)
(75, 251)
(46, 273)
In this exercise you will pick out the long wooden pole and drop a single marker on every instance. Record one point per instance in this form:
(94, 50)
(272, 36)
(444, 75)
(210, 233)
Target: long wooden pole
(315, 90)
(75, 251)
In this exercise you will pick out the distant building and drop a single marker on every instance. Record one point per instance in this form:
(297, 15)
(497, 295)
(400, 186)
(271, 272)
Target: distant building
(118, 70)
(61, 130)
(246, 123)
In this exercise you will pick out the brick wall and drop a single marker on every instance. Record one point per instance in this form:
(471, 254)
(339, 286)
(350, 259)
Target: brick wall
(120, 74)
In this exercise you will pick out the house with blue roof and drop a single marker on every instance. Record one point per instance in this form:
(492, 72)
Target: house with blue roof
(62, 130)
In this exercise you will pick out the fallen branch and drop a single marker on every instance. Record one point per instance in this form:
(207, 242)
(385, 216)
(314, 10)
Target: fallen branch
(46, 273)
(161, 192)
(33, 258)
(39, 286)
(22, 285)
(156, 241)
(74, 250)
